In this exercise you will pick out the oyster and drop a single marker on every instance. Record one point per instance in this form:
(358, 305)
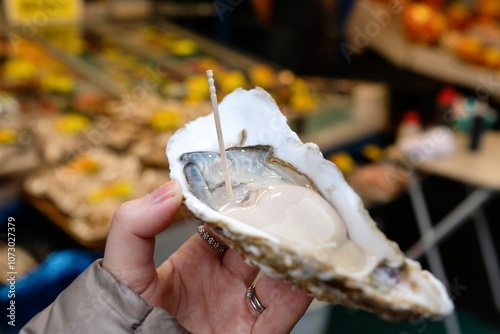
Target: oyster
(293, 214)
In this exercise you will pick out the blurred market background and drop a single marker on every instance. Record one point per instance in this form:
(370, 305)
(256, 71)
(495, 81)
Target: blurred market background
(90, 92)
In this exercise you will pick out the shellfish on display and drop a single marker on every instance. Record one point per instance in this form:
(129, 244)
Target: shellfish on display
(292, 213)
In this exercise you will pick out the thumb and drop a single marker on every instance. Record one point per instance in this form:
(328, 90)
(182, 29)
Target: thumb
(130, 244)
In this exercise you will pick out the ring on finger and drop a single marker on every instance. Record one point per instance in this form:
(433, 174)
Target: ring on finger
(211, 241)
(254, 301)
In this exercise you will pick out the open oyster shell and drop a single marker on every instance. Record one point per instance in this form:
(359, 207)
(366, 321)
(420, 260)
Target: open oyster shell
(293, 214)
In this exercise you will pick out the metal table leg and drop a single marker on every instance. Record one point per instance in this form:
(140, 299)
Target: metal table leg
(453, 220)
(489, 254)
(425, 227)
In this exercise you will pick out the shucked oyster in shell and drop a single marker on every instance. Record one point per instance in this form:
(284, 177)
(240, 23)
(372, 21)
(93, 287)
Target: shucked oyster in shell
(293, 215)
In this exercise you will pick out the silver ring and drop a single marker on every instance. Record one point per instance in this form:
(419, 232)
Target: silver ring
(254, 301)
(211, 241)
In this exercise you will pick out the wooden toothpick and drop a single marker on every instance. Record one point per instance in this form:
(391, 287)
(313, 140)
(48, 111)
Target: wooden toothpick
(215, 108)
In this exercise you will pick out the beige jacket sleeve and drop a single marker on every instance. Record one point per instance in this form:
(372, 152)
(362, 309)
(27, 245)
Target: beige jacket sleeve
(97, 303)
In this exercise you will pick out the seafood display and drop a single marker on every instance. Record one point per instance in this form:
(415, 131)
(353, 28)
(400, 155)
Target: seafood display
(181, 53)
(292, 213)
(104, 180)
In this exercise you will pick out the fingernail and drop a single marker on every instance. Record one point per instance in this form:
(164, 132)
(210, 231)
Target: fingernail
(169, 189)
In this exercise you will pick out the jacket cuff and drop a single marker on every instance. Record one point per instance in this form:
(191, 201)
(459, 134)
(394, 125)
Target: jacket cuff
(96, 302)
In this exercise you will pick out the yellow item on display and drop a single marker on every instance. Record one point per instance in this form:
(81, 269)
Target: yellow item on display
(57, 83)
(183, 47)
(373, 152)
(118, 190)
(72, 124)
(7, 136)
(66, 37)
(19, 69)
(303, 102)
(299, 86)
(344, 162)
(229, 81)
(166, 120)
(197, 88)
(34, 12)
(263, 76)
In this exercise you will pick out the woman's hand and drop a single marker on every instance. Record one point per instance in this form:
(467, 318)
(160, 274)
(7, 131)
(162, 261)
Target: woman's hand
(202, 288)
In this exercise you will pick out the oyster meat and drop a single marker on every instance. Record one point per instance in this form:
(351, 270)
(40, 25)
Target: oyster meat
(292, 213)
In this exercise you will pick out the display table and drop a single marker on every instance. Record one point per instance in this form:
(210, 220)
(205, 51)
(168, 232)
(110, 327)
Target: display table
(480, 170)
